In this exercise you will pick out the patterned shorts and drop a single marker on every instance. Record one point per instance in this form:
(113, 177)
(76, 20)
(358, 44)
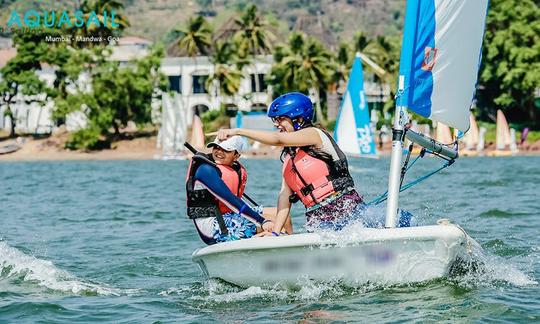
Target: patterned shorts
(335, 215)
(238, 227)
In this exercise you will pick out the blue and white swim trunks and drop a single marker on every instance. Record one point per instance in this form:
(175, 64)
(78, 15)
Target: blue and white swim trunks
(238, 227)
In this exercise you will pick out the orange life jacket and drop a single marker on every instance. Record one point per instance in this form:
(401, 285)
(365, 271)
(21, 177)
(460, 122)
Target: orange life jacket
(200, 202)
(313, 178)
(235, 179)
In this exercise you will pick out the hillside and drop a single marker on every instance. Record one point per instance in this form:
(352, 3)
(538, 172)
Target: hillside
(156, 19)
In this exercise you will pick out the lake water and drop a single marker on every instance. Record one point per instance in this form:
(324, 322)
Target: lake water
(109, 241)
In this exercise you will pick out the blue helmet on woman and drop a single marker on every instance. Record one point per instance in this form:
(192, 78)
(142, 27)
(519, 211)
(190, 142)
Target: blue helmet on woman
(293, 105)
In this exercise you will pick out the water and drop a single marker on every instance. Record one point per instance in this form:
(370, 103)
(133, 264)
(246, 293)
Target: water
(109, 241)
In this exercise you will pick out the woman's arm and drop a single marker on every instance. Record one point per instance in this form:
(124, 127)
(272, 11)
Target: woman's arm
(303, 137)
(283, 207)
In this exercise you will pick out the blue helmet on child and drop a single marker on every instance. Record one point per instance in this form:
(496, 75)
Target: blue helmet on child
(293, 105)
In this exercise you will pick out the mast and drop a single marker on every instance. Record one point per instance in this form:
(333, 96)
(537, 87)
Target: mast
(400, 119)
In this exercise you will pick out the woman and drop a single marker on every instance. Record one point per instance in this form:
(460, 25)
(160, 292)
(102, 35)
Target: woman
(315, 170)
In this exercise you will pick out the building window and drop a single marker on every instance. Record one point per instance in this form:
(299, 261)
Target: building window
(262, 83)
(199, 83)
(175, 83)
(259, 107)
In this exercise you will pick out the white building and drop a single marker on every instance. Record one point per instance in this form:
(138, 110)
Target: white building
(187, 76)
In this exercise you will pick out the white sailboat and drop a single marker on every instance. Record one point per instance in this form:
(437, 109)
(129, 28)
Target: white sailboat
(353, 130)
(173, 131)
(197, 134)
(444, 134)
(471, 140)
(438, 71)
(506, 138)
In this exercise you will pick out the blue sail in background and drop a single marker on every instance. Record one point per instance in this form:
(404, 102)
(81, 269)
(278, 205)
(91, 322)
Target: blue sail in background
(352, 131)
(440, 58)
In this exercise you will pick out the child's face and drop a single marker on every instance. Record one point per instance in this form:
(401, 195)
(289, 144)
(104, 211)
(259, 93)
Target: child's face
(224, 157)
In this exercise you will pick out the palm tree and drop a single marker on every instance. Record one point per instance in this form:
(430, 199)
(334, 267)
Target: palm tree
(360, 42)
(341, 64)
(252, 38)
(196, 37)
(105, 29)
(226, 77)
(253, 34)
(385, 53)
(302, 66)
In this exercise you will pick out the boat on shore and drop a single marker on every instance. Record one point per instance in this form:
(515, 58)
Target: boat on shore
(9, 148)
(506, 138)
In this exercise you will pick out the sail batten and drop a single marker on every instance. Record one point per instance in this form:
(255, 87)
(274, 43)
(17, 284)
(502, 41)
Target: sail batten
(440, 58)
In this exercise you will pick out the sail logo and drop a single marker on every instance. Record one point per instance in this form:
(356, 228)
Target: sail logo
(364, 139)
(430, 54)
(362, 100)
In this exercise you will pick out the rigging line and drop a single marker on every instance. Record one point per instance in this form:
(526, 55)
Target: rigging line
(384, 196)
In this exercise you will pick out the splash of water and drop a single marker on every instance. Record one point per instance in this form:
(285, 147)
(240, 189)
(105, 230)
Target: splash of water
(18, 266)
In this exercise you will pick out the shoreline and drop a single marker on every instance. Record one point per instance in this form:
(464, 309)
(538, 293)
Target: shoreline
(51, 149)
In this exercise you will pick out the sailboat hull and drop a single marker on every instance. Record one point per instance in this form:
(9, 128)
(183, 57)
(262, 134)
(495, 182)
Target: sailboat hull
(383, 256)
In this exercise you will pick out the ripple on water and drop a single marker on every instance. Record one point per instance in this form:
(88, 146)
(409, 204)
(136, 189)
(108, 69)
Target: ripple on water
(501, 213)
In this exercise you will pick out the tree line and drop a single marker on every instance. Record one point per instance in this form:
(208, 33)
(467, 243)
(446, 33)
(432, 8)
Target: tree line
(111, 95)
(509, 76)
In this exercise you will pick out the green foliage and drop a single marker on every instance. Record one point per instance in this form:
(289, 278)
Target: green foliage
(215, 119)
(226, 77)
(301, 65)
(105, 29)
(196, 36)
(252, 35)
(88, 138)
(329, 125)
(118, 95)
(511, 60)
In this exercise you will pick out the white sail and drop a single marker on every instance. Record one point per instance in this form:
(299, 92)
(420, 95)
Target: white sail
(444, 135)
(353, 132)
(438, 69)
(503, 132)
(197, 133)
(471, 137)
(440, 58)
(481, 141)
(513, 145)
(168, 125)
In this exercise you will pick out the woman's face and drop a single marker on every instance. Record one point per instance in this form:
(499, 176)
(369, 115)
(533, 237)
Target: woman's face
(284, 124)
(224, 157)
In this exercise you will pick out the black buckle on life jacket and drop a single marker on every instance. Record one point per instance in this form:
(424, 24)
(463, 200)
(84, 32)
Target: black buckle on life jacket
(307, 189)
(294, 198)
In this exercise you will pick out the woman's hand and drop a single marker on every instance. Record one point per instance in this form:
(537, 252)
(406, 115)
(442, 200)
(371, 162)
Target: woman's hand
(224, 133)
(268, 225)
(263, 234)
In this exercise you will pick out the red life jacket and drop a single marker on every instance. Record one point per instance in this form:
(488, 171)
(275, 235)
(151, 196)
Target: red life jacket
(313, 178)
(200, 202)
(235, 179)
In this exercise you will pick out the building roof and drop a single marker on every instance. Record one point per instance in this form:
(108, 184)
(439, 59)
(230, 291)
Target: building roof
(133, 40)
(314, 26)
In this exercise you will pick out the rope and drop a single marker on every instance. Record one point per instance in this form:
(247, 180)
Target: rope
(384, 196)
